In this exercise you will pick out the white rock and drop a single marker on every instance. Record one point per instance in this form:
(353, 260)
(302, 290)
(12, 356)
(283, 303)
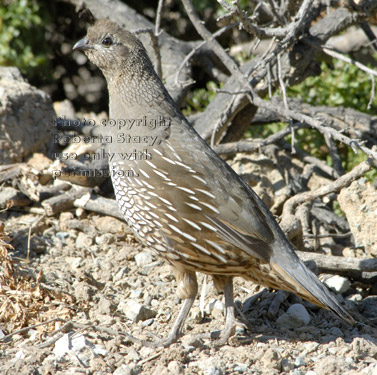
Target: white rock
(143, 259)
(241, 368)
(295, 317)
(136, 311)
(210, 306)
(136, 293)
(77, 347)
(123, 370)
(219, 305)
(62, 346)
(300, 362)
(121, 274)
(175, 368)
(338, 284)
(210, 366)
(20, 354)
(83, 241)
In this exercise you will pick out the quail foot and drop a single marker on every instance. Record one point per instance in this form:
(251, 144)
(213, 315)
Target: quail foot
(179, 197)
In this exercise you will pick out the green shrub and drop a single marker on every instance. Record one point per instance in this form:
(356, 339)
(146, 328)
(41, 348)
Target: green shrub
(342, 84)
(198, 100)
(22, 38)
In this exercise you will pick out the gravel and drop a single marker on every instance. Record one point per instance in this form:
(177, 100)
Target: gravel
(98, 281)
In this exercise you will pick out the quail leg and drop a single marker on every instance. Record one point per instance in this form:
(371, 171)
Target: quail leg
(176, 330)
(229, 310)
(225, 284)
(187, 290)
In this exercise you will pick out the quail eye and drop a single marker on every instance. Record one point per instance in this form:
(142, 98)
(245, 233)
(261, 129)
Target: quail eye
(107, 42)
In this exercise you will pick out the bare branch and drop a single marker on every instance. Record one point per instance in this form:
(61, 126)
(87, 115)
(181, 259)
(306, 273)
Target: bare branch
(290, 224)
(193, 51)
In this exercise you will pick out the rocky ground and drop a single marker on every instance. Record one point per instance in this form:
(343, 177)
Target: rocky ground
(91, 272)
(74, 283)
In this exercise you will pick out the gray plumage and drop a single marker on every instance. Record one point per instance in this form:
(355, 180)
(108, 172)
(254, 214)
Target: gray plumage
(184, 201)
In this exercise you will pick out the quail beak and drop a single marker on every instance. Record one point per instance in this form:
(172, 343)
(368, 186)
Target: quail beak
(82, 45)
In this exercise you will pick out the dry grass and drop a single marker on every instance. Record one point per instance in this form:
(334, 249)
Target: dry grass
(24, 301)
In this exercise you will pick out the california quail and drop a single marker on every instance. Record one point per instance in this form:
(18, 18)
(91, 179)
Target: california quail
(181, 199)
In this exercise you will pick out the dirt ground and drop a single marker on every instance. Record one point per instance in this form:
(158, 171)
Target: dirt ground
(86, 269)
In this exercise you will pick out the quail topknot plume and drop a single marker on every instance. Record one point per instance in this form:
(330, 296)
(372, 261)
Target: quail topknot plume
(181, 199)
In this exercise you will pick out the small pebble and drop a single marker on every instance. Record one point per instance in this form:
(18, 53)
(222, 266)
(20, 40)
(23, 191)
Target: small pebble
(136, 293)
(241, 367)
(83, 241)
(287, 365)
(123, 370)
(335, 331)
(144, 258)
(136, 311)
(300, 362)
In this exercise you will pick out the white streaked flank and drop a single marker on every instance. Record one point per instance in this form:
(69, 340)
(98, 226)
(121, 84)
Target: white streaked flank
(145, 174)
(177, 230)
(201, 248)
(194, 206)
(147, 185)
(183, 165)
(186, 190)
(151, 205)
(188, 236)
(206, 193)
(160, 248)
(214, 209)
(200, 179)
(194, 198)
(151, 164)
(164, 201)
(171, 208)
(216, 246)
(219, 257)
(171, 217)
(169, 160)
(209, 226)
(160, 174)
(194, 225)
(138, 181)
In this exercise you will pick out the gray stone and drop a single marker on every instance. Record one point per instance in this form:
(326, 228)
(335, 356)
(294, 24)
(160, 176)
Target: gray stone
(76, 348)
(295, 317)
(62, 236)
(175, 368)
(136, 311)
(83, 241)
(26, 117)
(210, 366)
(286, 365)
(241, 368)
(338, 284)
(136, 293)
(143, 259)
(105, 239)
(123, 370)
(300, 362)
(335, 331)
